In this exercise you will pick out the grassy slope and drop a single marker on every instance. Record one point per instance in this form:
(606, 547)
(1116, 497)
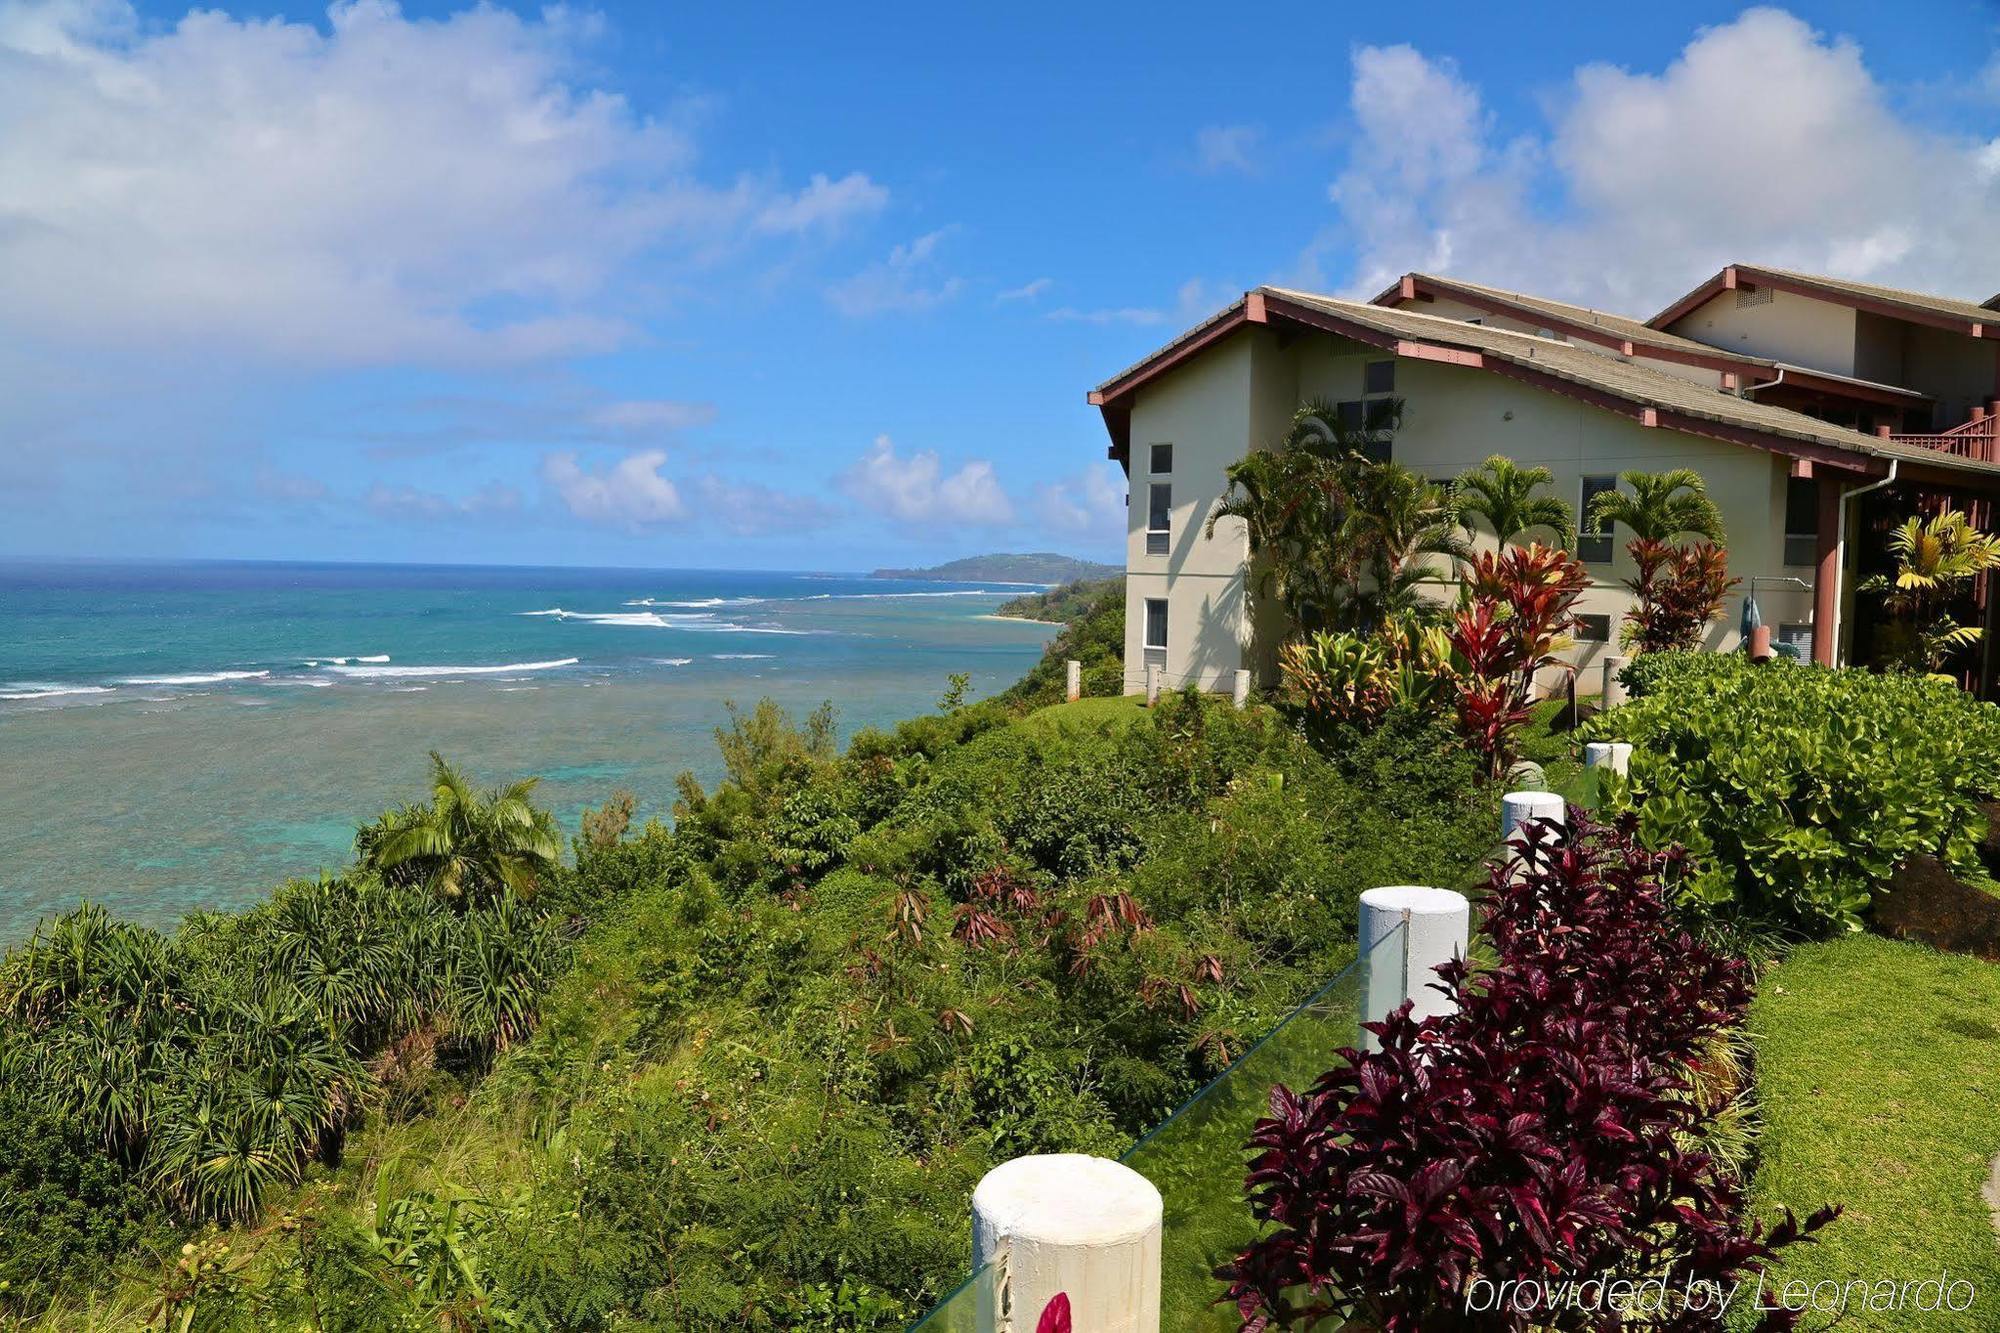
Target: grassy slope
(1878, 1073)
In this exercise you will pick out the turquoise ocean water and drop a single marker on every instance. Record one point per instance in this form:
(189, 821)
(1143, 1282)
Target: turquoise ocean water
(188, 735)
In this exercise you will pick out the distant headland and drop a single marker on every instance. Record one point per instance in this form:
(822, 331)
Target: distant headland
(1037, 567)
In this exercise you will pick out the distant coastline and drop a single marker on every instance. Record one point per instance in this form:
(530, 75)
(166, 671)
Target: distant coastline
(1039, 569)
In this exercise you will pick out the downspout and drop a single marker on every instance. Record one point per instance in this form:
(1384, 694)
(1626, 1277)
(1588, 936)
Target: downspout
(1840, 544)
(1749, 389)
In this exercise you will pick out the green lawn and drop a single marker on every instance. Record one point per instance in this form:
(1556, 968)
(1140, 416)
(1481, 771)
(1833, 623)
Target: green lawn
(1088, 714)
(1878, 1074)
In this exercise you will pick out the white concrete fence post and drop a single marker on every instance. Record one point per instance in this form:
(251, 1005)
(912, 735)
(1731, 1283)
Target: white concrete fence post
(1072, 680)
(1152, 684)
(1241, 693)
(1517, 808)
(1614, 755)
(1437, 925)
(1068, 1223)
(1613, 692)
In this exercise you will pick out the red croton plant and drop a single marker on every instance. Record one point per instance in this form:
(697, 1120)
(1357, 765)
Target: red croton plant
(1515, 617)
(1679, 590)
(1544, 1133)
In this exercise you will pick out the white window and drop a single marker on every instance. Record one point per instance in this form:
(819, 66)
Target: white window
(1159, 516)
(1156, 624)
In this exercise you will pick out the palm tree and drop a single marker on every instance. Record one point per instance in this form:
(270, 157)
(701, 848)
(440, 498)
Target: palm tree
(1398, 521)
(1296, 502)
(464, 844)
(1502, 492)
(1936, 562)
(1662, 507)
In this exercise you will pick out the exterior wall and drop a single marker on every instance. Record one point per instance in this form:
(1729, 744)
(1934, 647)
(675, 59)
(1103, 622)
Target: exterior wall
(1241, 394)
(1878, 348)
(1798, 329)
(1958, 371)
(1454, 417)
(1205, 410)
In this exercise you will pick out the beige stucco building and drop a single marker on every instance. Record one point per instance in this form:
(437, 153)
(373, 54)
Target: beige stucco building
(1816, 409)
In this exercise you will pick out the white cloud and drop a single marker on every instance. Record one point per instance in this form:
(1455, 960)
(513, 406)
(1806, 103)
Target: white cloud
(413, 503)
(1762, 141)
(1090, 504)
(824, 203)
(749, 508)
(289, 488)
(1027, 291)
(1131, 314)
(631, 494)
(1194, 300)
(376, 189)
(1227, 148)
(908, 280)
(917, 491)
(652, 415)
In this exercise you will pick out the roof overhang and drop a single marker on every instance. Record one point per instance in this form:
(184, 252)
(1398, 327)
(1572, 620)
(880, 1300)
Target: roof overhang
(1114, 397)
(1737, 276)
(1419, 286)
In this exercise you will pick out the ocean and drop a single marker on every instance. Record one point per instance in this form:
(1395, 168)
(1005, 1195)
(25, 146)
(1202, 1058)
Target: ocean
(188, 735)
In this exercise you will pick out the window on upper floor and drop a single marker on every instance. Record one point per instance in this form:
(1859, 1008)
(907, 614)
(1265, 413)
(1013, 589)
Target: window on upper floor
(1163, 459)
(1378, 377)
(1159, 516)
(1801, 521)
(1593, 543)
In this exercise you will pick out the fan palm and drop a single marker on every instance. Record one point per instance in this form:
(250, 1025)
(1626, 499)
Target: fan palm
(1661, 507)
(1503, 493)
(464, 844)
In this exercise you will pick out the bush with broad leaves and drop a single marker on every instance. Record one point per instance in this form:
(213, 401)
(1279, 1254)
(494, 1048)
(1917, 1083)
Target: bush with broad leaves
(1545, 1131)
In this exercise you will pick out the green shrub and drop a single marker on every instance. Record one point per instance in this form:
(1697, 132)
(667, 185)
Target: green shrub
(1798, 789)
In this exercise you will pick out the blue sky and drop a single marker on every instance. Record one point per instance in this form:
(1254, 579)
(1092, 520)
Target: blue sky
(781, 287)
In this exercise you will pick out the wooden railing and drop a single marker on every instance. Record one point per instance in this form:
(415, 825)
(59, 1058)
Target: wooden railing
(1978, 438)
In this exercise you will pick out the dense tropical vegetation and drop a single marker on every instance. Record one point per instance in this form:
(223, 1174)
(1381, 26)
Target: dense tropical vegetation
(1799, 789)
(742, 1071)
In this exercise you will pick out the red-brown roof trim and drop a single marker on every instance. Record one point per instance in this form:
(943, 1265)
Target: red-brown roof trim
(1740, 275)
(1413, 286)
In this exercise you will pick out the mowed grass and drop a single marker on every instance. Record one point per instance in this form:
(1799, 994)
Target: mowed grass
(1878, 1078)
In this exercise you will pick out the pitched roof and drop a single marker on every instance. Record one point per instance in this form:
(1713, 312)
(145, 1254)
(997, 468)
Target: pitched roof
(1919, 307)
(1561, 313)
(1622, 384)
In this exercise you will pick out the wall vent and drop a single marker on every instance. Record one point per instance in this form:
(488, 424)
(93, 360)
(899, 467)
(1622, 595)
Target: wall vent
(1749, 296)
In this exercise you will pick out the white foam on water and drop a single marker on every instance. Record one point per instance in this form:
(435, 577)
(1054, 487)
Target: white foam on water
(199, 678)
(699, 603)
(740, 657)
(407, 672)
(671, 661)
(700, 622)
(31, 689)
(880, 596)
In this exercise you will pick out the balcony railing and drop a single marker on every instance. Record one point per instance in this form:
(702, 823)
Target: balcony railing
(1978, 438)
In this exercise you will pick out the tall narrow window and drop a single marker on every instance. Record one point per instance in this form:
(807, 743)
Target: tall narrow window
(1156, 624)
(1801, 521)
(1159, 513)
(1593, 545)
(1163, 459)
